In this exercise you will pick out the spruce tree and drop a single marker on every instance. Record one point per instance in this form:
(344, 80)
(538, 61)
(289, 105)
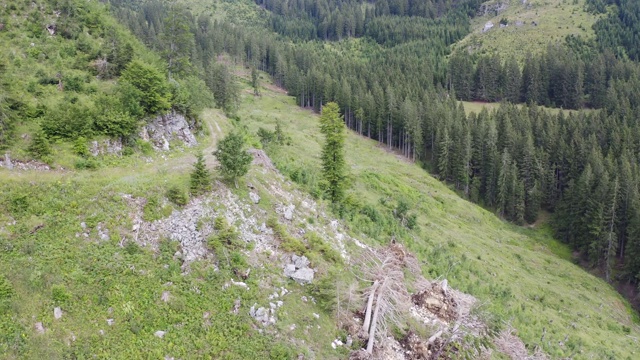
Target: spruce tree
(39, 147)
(333, 162)
(200, 181)
(233, 158)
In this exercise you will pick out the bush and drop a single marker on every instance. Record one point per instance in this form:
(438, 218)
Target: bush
(154, 95)
(87, 164)
(177, 195)
(39, 147)
(69, 119)
(80, 147)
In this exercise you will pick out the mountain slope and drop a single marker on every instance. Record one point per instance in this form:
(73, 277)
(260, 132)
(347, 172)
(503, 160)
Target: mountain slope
(523, 276)
(532, 25)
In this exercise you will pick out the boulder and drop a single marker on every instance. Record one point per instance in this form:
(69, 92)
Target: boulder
(288, 212)
(254, 197)
(57, 313)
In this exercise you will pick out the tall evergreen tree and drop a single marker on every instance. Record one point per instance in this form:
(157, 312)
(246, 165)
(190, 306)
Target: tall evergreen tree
(333, 161)
(233, 158)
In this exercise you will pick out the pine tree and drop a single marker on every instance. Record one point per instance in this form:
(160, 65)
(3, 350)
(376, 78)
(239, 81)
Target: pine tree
(255, 81)
(39, 147)
(200, 181)
(333, 162)
(233, 158)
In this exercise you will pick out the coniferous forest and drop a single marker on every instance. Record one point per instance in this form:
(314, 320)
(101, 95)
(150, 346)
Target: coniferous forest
(253, 179)
(400, 86)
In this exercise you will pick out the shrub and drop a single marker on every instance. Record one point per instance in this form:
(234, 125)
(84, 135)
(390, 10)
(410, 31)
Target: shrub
(153, 87)
(80, 147)
(177, 195)
(59, 294)
(39, 147)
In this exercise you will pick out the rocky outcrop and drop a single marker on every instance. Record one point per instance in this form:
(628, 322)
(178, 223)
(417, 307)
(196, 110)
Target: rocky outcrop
(106, 147)
(165, 128)
(492, 8)
(298, 269)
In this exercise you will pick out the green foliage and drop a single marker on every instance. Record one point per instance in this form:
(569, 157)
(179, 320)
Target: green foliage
(80, 147)
(200, 178)
(233, 158)
(154, 209)
(287, 242)
(177, 195)
(333, 163)
(60, 295)
(6, 290)
(190, 96)
(69, 119)
(154, 93)
(39, 147)
(226, 91)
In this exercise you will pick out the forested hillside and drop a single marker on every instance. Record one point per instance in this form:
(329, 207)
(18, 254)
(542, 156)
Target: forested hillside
(71, 73)
(116, 254)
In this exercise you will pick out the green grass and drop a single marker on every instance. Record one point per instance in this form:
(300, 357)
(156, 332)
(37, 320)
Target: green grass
(523, 277)
(556, 20)
(477, 106)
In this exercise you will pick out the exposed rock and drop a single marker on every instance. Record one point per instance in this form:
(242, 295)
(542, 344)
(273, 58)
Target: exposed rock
(303, 276)
(493, 8)
(165, 296)
(168, 127)
(159, 334)
(261, 158)
(487, 26)
(51, 28)
(110, 322)
(288, 212)
(25, 165)
(39, 328)
(298, 269)
(106, 147)
(263, 315)
(254, 197)
(7, 161)
(57, 313)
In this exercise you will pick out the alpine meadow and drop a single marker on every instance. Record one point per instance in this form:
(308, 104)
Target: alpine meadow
(319, 179)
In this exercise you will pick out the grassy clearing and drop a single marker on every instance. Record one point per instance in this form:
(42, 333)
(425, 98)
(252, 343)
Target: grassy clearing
(523, 277)
(555, 19)
(477, 106)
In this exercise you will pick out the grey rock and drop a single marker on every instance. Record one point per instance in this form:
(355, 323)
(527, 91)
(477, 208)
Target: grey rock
(83, 225)
(7, 161)
(254, 197)
(289, 270)
(110, 322)
(165, 296)
(279, 303)
(288, 212)
(159, 334)
(303, 276)
(300, 261)
(165, 128)
(39, 328)
(106, 147)
(57, 313)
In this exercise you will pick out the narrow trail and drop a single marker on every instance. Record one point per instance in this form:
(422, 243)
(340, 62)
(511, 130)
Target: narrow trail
(176, 161)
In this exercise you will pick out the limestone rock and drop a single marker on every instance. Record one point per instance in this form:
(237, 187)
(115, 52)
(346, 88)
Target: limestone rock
(57, 313)
(288, 212)
(165, 128)
(159, 334)
(39, 328)
(254, 197)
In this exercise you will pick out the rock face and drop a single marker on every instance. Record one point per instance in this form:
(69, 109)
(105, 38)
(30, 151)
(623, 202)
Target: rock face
(168, 127)
(106, 147)
(298, 269)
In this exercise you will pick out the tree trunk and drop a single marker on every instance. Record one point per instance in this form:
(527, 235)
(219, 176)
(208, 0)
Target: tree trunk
(374, 322)
(367, 315)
